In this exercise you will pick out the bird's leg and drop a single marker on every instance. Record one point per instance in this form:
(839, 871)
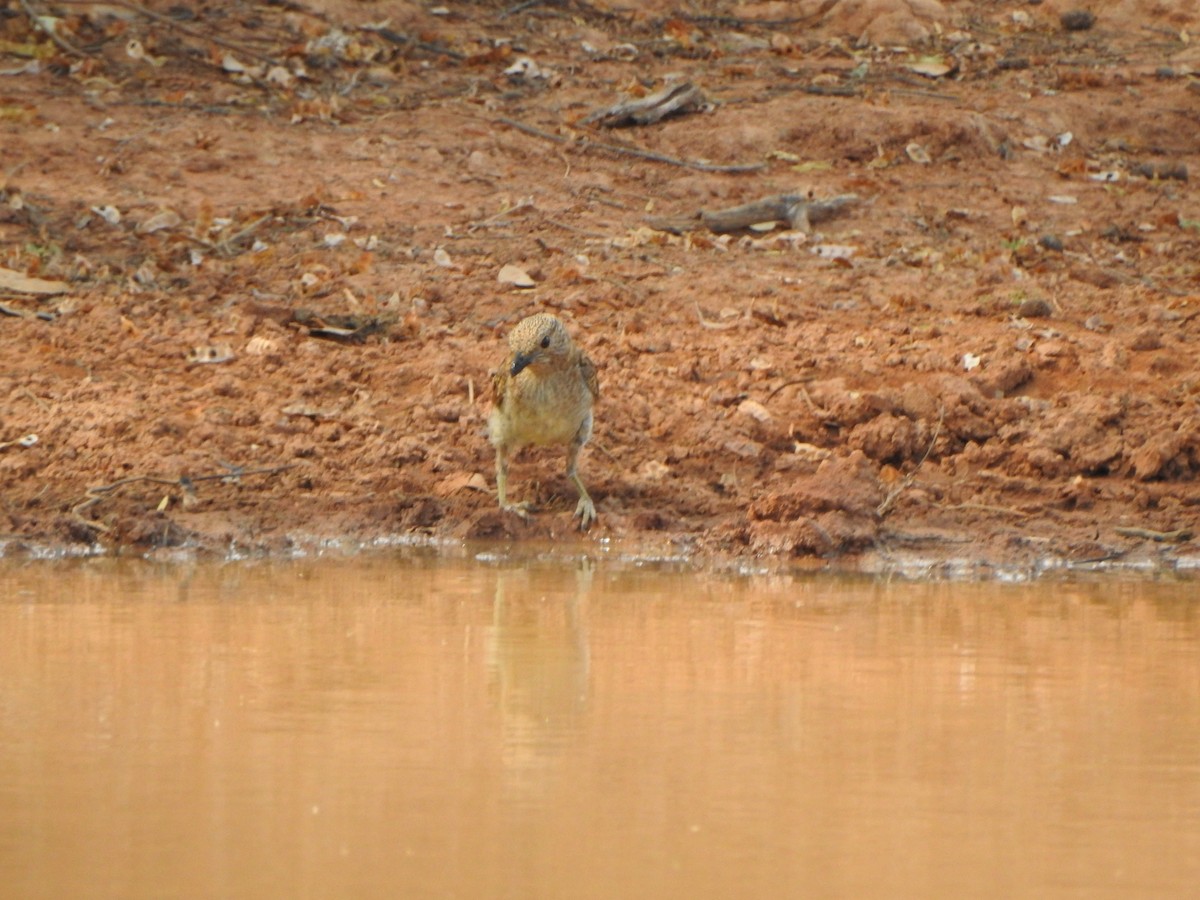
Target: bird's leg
(521, 509)
(501, 475)
(585, 509)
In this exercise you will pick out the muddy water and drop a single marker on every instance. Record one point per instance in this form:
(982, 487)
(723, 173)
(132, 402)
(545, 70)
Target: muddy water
(418, 728)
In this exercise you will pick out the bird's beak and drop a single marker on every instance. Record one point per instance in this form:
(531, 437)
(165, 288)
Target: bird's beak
(520, 361)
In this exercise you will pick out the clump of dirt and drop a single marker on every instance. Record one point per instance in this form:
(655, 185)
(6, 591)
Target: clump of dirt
(252, 276)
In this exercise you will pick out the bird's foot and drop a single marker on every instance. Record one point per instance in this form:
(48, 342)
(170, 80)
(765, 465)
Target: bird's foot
(518, 509)
(586, 510)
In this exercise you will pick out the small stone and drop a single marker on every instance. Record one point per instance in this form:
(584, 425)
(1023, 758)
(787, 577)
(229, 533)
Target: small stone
(1146, 339)
(654, 470)
(1077, 20)
(1051, 242)
(1035, 308)
(754, 410)
(744, 449)
(516, 276)
(810, 453)
(1161, 172)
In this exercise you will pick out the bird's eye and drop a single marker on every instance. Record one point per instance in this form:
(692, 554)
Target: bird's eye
(545, 342)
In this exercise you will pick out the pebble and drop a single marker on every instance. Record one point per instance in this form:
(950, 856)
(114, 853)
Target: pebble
(1146, 339)
(754, 410)
(1035, 308)
(1077, 20)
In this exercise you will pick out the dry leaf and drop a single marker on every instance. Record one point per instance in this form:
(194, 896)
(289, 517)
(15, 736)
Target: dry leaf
(933, 67)
(20, 283)
(811, 452)
(260, 346)
(516, 276)
(525, 69)
(135, 50)
(280, 76)
(109, 214)
(452, 484)
(654, 470)
(833, 251)
(209, 353)
(160, 221)
(918, 154)
(25, 441)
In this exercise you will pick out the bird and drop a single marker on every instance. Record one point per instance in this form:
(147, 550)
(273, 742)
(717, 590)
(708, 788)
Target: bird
(543, 394)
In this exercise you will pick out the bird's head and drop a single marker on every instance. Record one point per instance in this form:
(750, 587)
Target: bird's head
(538, 341)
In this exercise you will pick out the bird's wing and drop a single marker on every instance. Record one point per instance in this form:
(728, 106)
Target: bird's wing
(588, 370)
(500, 384)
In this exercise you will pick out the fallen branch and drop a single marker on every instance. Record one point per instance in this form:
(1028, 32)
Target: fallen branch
(521, 7)
(405, 40)
(498, 218)
(792, 383)
(1178, 536)
(987, 507)
(94, 495)
(226, 245)
(594, 235)
(582, 8)
(886, 506)
(794, 210)
(737, 22)
(911, 537)
(585, 144)
(61, 42)
(673, 100)
(1097, 560)
(178, 26)
(821, 413)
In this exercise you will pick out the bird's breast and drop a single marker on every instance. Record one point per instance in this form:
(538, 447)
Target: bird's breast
(547, 410)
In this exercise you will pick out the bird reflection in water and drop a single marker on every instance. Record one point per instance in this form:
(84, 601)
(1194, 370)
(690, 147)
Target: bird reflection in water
(539, 664)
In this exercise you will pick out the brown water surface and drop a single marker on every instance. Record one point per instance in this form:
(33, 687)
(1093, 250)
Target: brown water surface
(417, 727)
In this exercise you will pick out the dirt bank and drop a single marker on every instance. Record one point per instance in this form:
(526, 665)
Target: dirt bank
(268, 240)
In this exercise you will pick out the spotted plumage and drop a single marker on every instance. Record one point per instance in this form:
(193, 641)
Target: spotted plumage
(543, 394)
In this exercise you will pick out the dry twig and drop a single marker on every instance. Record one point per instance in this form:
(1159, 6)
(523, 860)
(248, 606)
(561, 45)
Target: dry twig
(585, 144)
(715, 326)
(987, 507)
(1178, 536)
(178, 26)
(61, 42)
(675, 99)
(94, 495)
(794, 210)
(886, 506)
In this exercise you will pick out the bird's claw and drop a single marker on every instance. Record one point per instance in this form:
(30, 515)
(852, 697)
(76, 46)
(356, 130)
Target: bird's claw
(586, 510)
